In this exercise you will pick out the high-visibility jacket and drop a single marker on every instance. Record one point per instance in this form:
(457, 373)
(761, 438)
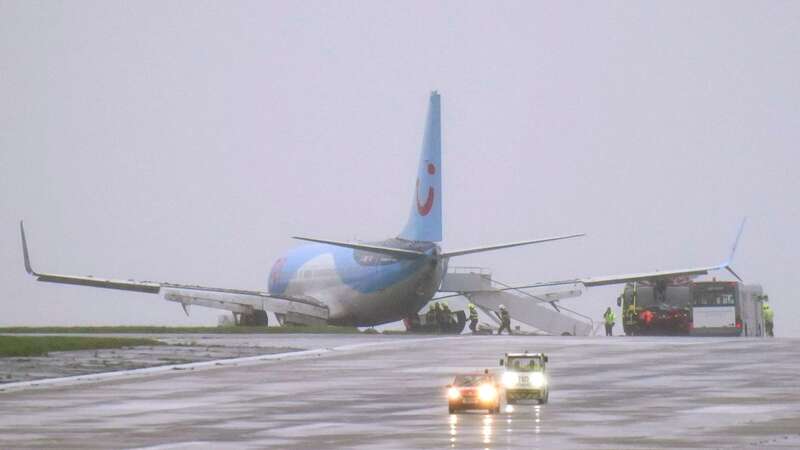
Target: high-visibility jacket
(430, 316)
(609, 317)
(473, 314)
(504, 316)
(769, 314)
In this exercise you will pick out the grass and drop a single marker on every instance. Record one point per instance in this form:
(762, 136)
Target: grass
(42, 345)
(182, 330)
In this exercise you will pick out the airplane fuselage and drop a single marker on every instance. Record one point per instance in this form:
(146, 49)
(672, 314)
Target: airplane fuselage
(361, 288)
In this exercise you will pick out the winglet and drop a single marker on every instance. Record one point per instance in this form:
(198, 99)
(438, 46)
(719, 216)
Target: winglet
(25, 254)
(736, 242)
(727, 264)
(729, 269)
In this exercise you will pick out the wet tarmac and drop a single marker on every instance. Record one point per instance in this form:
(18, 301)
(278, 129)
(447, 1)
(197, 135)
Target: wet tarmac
(387, 392)
(180, 350)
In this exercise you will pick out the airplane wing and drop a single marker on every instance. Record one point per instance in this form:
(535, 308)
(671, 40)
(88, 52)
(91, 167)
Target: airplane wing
(236, 300)
(627, 278)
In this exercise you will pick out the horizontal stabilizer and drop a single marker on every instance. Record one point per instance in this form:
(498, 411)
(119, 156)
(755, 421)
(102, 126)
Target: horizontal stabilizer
(489, 248)
(396, 252)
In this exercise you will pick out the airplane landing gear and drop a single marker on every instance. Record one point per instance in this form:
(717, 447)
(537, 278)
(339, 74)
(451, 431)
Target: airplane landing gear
(254, 319)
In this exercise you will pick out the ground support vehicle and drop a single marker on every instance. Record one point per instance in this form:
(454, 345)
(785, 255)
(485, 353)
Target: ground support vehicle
(525, 377)
(692, 308)
(474, 391)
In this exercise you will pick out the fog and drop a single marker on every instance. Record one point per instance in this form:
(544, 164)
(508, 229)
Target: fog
(187, 141)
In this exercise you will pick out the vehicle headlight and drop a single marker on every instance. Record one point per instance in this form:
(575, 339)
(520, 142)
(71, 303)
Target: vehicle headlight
(538, 380)
(510, 379)
(453, 393)
(487, 393)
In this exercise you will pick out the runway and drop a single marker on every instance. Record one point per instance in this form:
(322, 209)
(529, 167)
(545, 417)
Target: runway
(387, 392)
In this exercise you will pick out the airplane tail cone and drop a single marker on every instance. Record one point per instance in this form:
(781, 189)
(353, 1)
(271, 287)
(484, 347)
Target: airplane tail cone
(425, 219)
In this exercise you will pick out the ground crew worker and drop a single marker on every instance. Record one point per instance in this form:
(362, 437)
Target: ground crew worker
(505, 320)
(631, 312)
(769, 315)
(629, 320)
(473, 318)
(447, 317)
(439, 316)
(447, 312)
(430, 316)
(609, 319)
(647, 317)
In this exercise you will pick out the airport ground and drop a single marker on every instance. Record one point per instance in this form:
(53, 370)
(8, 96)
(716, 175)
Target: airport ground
(387, 392)
(112, 353)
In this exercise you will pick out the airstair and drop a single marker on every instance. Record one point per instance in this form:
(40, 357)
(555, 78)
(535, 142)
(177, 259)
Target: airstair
(536, 309)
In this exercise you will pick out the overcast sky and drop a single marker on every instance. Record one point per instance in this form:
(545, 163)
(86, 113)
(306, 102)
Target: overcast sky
(186, 141)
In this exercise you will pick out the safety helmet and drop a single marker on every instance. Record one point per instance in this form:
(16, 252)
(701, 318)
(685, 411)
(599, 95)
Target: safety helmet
(502, 306)
(471, 306)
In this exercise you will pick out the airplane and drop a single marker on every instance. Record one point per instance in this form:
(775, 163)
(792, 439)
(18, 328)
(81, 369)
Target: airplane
(354, 283)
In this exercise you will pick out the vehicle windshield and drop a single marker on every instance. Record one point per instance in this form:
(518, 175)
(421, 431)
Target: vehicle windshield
(526, 364)
(471, 380)
(714, 295)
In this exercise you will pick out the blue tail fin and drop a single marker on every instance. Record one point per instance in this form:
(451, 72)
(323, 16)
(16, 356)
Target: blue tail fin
(425, 220)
